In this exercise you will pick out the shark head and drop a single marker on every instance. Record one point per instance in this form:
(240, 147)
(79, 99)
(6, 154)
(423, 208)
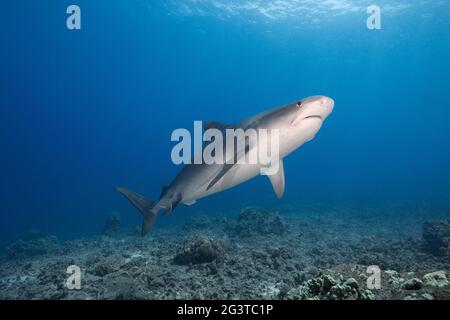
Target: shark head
(311, 110)
(300, 121)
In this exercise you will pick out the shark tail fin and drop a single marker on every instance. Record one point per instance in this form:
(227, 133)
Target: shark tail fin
(147, 207)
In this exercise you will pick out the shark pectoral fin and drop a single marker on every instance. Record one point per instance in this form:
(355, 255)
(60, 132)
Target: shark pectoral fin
(278, 180)
(145, 206)
(238, 154)
(190, 203)
(225, 169)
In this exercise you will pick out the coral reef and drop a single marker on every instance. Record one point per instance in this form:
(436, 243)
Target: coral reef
(200, 249)
(326, 287)
(324, 254)
(436, 279)
(253, 221)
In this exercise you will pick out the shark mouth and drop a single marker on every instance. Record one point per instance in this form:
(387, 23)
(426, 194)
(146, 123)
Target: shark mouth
(298, 120)
(314, 117)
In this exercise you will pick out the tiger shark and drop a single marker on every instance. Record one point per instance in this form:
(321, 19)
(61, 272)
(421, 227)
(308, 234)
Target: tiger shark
(296, 124)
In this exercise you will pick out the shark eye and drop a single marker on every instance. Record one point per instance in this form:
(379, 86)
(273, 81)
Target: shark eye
(299, 104)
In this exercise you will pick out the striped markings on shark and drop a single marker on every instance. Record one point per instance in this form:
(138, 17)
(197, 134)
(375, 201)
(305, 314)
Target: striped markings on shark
(295, 124)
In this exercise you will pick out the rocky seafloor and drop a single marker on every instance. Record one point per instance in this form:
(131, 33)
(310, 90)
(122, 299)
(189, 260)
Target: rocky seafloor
(298, 252)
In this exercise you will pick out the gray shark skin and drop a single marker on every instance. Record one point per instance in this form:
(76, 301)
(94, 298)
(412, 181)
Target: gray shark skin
(297, 122)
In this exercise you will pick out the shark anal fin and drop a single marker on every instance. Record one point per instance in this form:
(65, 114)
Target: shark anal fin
(278, 180)
(145, 206)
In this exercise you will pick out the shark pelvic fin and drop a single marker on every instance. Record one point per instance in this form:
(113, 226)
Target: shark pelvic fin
(145, 206)
(174, 204)
(278, 180)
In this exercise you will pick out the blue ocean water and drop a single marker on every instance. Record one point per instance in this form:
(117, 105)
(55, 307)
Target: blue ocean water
(86, 110)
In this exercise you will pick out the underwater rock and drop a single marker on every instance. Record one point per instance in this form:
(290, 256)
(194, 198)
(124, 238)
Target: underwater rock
(200, 249)
(103, 269)
(436, 279)
(112, 224)
(32, 244)
(436, 237)
(107, 265)
(400, 254)
(427, 296)
(412, 296)
(393, 277)
(257, 221)
(122, 287)
(351, 282)
(280, 259)
(412, 284)
(326, 287)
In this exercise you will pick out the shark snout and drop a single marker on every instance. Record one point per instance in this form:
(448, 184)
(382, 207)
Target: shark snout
(327, 106)
(318, 107)
(327, 102)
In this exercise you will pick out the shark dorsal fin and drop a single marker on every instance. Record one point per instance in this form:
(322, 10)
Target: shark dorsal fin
(278, 180)
(216, 125)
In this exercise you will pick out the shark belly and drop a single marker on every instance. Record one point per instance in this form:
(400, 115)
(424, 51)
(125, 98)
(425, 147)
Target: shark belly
(237, 175)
